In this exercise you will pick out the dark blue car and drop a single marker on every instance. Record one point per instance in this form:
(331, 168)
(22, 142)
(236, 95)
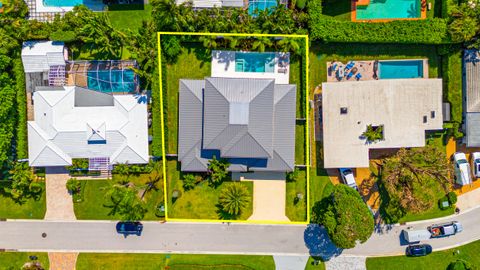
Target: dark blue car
(127, 228)
(418, 250)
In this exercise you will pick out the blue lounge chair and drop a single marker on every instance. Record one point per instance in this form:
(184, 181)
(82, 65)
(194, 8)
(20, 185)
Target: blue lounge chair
(358, 77)
(350, 65)
(350, 74)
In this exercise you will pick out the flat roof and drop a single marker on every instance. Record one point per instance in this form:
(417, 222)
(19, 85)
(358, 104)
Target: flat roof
(400, 105)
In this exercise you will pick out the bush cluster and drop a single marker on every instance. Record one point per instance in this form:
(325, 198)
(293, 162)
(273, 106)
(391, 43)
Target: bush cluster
(428, 31)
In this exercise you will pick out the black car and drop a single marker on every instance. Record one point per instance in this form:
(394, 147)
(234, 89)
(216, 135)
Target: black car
(418, 250)
(127, 228)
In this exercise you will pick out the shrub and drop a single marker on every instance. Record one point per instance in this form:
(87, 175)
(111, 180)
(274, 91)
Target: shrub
(171, 48)
(217, 170)
(441, 203)
(428, 31)
(300, 4)
(452, 198)
(65, 36)
(73, 185)
(292, 176)
(189, 181)
(460, 265)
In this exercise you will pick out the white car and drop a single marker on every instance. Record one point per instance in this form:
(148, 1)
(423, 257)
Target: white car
(348, 178)
(462, 169)
(476, 164)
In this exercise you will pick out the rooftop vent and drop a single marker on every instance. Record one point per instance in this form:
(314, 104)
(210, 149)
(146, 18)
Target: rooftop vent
(343, 110)
(432, 114)
(424, 119)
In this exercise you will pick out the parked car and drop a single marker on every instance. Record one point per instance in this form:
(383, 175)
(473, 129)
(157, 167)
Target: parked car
(445, 229)
(348, 178)
(462, 169)
(129, 227)
(476, 164)
(418, 250)
(415, 236)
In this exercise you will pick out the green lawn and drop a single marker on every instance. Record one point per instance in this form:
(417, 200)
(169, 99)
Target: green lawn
(201, 202)
(296, 78)
(188, 66)
(310, 265)
(338, 9)
(93, 204)
(15, 260)
(173, 261)
(300, 144)
(436, 260)
(34, 209)
(297, 211)
(452, 65)
(320, 185)
(321, 53)
(129, 17)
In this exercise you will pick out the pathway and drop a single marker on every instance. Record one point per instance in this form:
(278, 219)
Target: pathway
(346, 262)
(290, 262)
(59, 201)
(62, 260)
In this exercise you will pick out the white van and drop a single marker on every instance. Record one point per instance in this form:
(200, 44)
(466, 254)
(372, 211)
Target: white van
(414, 236)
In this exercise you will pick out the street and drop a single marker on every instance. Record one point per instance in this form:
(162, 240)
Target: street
(217, 238)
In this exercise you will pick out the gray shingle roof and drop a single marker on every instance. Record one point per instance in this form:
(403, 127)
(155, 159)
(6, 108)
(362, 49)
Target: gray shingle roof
(471, 64)
(269, 132)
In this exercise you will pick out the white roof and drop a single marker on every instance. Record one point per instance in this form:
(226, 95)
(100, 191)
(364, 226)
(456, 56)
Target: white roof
(62, 131)
(39, 56)
(399, 105)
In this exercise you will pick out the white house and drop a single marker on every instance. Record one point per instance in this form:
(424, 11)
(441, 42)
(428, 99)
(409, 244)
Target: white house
(73, 122)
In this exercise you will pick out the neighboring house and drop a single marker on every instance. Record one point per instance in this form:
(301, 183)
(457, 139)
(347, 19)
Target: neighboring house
(44, 63)
(249, 121)
(471, 78)
(406, 108)
(73, 122)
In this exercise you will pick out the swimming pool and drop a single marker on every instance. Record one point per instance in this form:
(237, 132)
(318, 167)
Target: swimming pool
(389, 9)
(111, 81)
(260, 5)
(400, 69)
(62, 3)
(254, 62)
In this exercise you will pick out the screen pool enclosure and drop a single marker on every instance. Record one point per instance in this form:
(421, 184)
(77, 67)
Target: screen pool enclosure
(106, 76)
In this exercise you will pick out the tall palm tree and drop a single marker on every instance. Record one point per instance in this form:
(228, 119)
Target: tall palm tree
(261, 43)
(234, 198)
(289, 45)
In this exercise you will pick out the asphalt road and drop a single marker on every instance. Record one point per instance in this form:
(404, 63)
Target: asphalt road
(100, 236)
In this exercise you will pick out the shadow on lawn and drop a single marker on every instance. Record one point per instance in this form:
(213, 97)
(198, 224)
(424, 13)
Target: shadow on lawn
(319, 244)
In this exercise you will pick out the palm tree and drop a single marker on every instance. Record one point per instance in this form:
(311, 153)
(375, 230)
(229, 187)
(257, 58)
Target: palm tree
(209, 42)
(234, 198)
(124, 200)
(289, 45)
(105, 38)
(261, 43)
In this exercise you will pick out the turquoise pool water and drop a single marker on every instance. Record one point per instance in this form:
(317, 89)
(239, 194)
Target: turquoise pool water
(254, 62)
(389, 9)
(111, 81)
(400, 69)
(260, 5)
(62, 3)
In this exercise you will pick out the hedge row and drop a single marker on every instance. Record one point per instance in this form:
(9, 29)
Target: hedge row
(156, 145)
(22, 140)
(428, 31)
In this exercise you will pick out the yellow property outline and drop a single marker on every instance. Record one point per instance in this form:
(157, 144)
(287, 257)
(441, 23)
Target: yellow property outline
(307, 143)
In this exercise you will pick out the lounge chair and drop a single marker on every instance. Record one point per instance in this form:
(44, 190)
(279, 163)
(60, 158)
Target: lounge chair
(340, 74)
(351, 73)
(358, 76)
(350, 65)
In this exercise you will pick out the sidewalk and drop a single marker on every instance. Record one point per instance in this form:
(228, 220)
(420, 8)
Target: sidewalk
(59, 201)
(62, 260)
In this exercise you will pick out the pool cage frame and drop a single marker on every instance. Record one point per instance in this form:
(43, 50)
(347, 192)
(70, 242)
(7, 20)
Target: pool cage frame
(78, 73)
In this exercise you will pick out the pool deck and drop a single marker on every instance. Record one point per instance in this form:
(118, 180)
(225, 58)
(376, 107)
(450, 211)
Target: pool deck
(95, 5)
(365, 68)
(223, 66)
(423, 14)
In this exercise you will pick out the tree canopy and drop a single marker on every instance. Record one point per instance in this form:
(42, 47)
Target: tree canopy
(345, 216)
(406, 174)
(217, 169)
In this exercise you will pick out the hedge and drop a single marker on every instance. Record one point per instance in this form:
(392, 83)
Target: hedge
(156, 145)
(428, 31)
(452, 77)
(22, 140)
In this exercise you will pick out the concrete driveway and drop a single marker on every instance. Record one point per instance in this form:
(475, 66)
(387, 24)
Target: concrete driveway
(269, 192)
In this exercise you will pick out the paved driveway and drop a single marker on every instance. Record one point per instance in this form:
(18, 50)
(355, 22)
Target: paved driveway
(59, 201)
